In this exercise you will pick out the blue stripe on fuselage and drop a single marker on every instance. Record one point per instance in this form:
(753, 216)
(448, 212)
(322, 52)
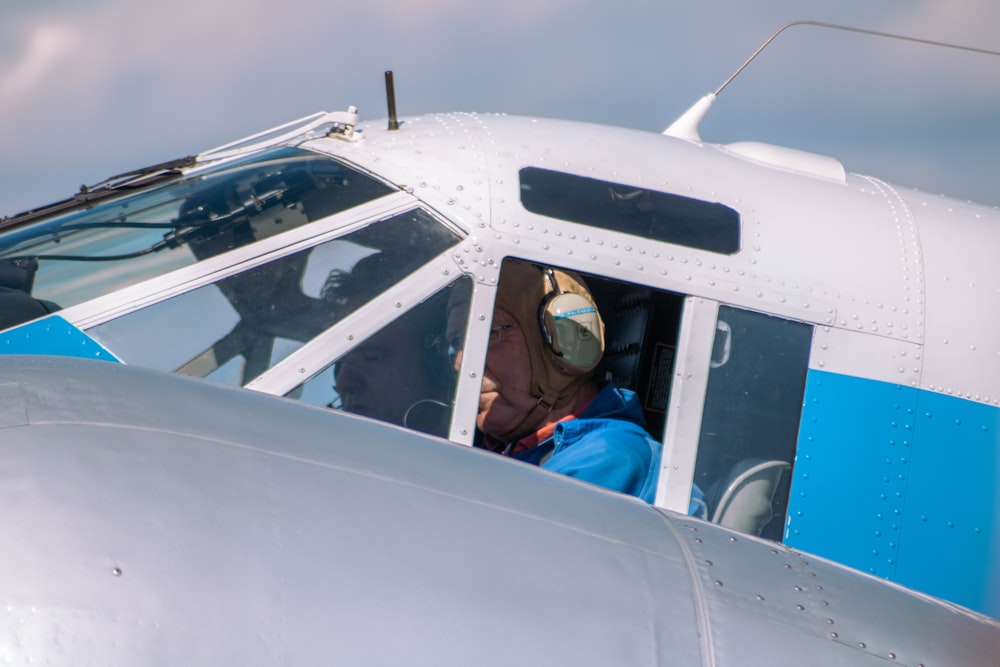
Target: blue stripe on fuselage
(899, 482)
(52, 336)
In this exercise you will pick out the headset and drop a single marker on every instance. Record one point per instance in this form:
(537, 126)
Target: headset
(571, 327)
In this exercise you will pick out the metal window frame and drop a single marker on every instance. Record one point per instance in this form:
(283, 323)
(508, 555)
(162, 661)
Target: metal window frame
(357, 327)
(687, 400)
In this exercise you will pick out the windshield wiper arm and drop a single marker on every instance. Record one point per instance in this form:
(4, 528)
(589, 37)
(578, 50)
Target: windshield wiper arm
(139, 177)
(109, 187)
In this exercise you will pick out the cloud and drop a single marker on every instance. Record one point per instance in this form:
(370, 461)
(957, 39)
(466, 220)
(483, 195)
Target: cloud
(967, 22)
(49, 46)
(96, 88)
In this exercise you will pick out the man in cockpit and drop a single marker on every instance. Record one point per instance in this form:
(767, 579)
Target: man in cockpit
(539, 401)
(396, 376)
(400, 374)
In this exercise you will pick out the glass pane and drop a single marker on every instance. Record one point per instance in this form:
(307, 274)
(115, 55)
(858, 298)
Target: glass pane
(91, 251)
(401, 375)
(234, 330)
(751, 417)
(632, 210)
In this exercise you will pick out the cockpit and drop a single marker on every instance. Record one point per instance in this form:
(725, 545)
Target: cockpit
(295, 274)
(175, 221)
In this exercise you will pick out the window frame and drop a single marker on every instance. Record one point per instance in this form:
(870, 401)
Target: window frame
(682, 432)
(357, 327)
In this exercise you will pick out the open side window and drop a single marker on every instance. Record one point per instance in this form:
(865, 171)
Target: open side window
(641, 328)
(640, 341)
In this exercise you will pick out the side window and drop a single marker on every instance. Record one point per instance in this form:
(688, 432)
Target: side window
(751, 419)
(401, 375)
(649, 214)
(236, 328)
(576, 375)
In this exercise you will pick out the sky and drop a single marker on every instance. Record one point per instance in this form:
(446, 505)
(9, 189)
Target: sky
(92, 88)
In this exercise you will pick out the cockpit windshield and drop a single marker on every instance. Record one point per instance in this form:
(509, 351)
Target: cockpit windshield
(238, 326)
(84, 253)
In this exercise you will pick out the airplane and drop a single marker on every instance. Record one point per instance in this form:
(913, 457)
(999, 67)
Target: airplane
(151, 518)
(810, 345)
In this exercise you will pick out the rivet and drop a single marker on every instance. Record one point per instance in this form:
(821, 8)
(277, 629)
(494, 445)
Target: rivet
(116, 571)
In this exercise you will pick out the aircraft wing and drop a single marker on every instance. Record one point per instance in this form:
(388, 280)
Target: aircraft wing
(152, 518)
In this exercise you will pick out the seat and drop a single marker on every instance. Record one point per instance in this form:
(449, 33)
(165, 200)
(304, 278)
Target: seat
(746, 504)
(17, 307)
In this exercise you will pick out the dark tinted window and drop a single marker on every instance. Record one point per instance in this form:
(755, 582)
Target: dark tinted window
(401, 375)
(752, 406)
(632, 210)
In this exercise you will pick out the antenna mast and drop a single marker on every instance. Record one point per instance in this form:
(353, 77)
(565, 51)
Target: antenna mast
(686, 126)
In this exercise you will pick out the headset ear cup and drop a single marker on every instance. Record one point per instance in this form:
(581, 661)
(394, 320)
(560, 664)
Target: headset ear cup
(573, 330)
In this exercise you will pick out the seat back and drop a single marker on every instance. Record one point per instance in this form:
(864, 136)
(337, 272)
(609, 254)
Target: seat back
(746, 503)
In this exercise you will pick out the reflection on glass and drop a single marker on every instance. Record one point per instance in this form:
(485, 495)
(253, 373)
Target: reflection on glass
(90, 251)
(235, 329)
(401, 375)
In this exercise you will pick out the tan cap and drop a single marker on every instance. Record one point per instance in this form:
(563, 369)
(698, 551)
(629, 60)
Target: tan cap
(524, 290)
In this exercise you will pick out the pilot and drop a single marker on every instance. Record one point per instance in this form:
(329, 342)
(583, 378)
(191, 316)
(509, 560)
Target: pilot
(400, 374)
(16, 303)
(539, 401)
(17, 306)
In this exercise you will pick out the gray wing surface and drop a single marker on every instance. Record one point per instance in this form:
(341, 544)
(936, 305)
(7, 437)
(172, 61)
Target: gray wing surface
(155, 519)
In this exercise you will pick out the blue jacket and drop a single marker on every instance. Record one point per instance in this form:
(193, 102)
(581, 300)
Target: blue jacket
(607, 445)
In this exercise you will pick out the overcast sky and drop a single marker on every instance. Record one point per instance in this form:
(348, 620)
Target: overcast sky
(90, 88)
